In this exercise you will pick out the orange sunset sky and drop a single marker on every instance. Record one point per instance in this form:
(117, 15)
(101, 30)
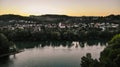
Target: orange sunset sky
(66, 7)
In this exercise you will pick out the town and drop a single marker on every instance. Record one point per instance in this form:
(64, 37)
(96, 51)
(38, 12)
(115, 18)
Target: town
(61, 22)
(58, 27)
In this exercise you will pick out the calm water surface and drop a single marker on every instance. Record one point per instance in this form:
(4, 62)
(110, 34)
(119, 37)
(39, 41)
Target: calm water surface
(52, 54)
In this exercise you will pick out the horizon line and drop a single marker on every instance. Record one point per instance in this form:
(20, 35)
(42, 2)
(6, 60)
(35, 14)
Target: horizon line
(58, 14)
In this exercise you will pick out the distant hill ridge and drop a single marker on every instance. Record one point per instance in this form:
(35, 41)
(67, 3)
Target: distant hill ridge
(55, 17)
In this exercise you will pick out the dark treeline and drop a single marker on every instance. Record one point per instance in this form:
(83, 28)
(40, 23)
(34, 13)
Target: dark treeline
(4, 19)
(109, 57)
(5, 44)
(69, 44)
(57, 34)
(59, 18)
(8, 17)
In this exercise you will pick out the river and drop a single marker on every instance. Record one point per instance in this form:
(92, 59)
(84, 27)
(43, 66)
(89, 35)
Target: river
(53, 54)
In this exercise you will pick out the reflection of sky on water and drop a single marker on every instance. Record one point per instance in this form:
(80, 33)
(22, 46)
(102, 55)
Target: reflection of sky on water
(57, 56)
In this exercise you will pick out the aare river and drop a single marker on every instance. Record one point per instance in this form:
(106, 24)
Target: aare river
(53, 54)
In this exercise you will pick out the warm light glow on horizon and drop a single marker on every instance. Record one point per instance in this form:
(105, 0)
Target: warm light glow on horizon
(62, 7)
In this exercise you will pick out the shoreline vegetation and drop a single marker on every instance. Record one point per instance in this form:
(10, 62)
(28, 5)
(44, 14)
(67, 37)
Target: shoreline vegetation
(68, 35)
(11, 53)
(7, 47)
(109, 57)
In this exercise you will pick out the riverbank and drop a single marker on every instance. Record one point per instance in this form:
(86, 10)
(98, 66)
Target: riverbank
(11, 53)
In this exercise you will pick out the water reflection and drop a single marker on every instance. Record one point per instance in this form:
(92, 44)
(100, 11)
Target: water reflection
(53, 54)
(69, 44)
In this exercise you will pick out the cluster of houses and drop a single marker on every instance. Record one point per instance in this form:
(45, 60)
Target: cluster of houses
(39, 27)
(102, 26)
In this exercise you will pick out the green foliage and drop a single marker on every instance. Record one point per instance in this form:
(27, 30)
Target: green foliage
(110, 56)
(5, 44)
(115, 41)
(55, 34)
(111, 53)
(87, 61)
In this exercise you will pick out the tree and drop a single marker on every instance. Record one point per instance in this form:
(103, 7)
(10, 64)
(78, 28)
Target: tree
(4, 44)
(109, 57)
(87, 61)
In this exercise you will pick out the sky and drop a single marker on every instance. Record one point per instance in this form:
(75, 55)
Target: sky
(62, 7)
